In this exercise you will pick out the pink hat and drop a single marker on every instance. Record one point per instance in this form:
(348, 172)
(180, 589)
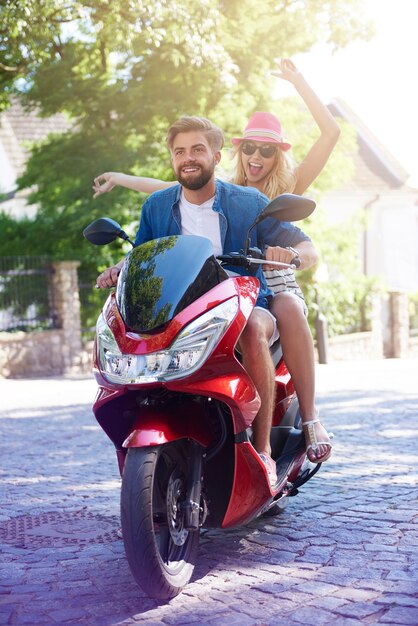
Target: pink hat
(263, 127)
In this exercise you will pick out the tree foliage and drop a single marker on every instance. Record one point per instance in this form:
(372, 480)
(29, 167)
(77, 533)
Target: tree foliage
(122, 71)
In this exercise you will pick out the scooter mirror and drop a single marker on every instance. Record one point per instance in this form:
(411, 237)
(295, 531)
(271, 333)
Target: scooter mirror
(103, 231)
(288, 207)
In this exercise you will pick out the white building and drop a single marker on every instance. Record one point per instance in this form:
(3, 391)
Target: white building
(390, 245)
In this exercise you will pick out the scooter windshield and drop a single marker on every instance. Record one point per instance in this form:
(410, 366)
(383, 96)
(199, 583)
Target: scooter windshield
(162, 277)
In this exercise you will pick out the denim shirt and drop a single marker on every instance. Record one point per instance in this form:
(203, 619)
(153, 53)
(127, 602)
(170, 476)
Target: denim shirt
(237, 207)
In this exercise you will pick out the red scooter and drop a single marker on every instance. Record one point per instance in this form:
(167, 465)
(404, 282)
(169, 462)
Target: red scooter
(178, 405)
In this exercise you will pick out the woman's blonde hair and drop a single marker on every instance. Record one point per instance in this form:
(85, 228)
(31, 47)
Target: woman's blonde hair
(281, 179)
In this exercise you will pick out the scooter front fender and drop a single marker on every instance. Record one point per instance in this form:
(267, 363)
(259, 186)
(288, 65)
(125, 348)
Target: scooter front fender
(157, 425)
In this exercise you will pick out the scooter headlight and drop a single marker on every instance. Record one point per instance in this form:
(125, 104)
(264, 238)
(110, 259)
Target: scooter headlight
(187, 353)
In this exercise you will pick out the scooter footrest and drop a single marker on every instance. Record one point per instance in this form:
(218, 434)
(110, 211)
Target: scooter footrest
(282, 470)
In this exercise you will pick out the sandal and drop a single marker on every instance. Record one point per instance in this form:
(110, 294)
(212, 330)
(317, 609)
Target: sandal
(313, 443)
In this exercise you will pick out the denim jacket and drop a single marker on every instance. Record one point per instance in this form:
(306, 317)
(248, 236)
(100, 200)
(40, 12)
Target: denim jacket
(237, 207)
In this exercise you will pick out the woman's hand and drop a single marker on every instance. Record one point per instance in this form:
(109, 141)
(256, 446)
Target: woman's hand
(103, 183)
(287, 70)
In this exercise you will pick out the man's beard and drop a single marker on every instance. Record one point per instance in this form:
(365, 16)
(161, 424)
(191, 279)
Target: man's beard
(198, 181)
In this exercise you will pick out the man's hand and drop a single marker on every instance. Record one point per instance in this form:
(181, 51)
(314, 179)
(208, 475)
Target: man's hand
(305, 249)
(276, 253)
(109, 277)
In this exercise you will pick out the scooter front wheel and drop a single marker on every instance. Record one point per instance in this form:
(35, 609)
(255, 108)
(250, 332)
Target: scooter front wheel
(161, 552)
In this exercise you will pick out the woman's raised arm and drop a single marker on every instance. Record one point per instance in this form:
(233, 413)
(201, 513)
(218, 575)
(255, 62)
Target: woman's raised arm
(318, 155)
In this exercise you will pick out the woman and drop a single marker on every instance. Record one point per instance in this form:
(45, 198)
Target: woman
(262, 163)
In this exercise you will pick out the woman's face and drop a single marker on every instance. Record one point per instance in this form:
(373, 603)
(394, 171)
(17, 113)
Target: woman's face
(258, 160)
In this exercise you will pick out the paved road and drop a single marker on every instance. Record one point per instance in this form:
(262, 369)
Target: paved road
(343, 553)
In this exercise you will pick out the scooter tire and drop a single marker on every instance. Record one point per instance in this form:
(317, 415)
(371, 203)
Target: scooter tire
(161, 554)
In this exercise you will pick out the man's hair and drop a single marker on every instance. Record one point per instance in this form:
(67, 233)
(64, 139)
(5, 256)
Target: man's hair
(186, 124)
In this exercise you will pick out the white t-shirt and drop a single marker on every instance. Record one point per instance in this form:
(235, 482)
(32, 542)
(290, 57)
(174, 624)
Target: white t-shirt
(200, 219)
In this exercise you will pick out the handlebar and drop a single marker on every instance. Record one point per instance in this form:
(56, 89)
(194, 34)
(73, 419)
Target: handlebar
(248, 262)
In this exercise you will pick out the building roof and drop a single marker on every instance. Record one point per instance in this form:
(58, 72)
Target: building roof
(375, 167)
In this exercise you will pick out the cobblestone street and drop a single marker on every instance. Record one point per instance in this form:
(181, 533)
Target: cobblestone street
(344, 552)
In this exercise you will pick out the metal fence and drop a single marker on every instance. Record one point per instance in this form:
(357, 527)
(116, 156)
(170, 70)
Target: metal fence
(26, 297)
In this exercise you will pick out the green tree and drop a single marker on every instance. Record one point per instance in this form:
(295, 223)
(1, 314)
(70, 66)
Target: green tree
(122, 70)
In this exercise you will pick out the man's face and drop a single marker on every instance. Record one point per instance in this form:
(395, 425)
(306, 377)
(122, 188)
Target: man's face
(193, 159)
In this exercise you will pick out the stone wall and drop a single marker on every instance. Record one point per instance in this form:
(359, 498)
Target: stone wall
(396, 340)
(388, 338)
(413, 348)
(31, 354)
(67, 309)
(49, 352)
(358, 346)
(355, 347)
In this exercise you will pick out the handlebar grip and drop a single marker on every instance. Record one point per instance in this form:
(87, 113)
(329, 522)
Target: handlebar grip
(233, 259)
(256, 253)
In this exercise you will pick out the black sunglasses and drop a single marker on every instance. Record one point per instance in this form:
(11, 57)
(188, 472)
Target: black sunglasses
(266, 150)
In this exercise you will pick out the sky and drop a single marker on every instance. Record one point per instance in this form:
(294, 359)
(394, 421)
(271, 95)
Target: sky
(377, 79)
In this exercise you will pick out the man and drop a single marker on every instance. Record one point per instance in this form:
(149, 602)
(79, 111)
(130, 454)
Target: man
(222, 212)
